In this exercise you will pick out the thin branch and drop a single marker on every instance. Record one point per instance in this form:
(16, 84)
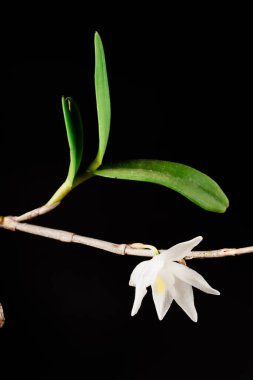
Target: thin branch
(36, 212)
(224, 252)
(13, 224)
(10, 223)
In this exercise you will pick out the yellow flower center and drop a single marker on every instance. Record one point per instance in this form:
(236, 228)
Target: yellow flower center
(160, 285)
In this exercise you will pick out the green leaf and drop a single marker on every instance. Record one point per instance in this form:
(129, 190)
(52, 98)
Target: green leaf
(74, 128)
(103, 101)
(191, 183)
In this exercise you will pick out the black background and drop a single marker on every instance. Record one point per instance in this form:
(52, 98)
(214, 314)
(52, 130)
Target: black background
(180, 91)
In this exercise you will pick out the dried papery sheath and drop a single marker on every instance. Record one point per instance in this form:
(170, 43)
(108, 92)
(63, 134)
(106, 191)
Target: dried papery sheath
(2, 319)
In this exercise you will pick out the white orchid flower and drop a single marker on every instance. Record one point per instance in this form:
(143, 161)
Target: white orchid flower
(169, 280)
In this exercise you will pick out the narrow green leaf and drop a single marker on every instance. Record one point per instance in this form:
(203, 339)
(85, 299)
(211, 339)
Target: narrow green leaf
(74, 128)
(102, 100)
(191, 183)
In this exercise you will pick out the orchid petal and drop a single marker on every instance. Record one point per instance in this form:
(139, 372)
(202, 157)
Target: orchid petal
(144, 272)
(184, 298)
(179, 251)
(140, 292)
(141, 277)
(162, 295)
(192, 277)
